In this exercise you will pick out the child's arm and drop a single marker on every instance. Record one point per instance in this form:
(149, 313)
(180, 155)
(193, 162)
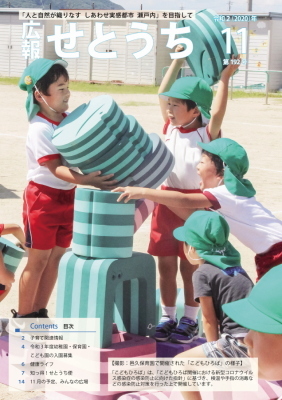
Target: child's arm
(168, 198)
(169, 79)
(210, 322)
(68, 175)
(220, 101)
(15, 230)
(6, 277)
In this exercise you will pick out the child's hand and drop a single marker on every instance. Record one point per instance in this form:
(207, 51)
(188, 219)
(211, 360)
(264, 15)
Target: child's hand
(231, 67)
(7, 277)
(102, 182)
(129, 193)
(179, 48)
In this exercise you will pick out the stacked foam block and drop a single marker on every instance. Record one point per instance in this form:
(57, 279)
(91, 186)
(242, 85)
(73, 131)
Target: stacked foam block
(12, 254)
(98, 137)
(95, 281)
(209, 45)
(102, 227)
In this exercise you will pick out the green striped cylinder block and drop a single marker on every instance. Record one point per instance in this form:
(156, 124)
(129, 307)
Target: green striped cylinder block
(101, 112)
(94, 288)
(209, 45)
(98, 136)
(155, 168)
(102, 227)
(138, 137)
(11, 253)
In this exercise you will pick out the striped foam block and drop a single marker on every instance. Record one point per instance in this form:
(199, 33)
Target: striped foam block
(98, 136)
(155, 168)
(99, 114)
(143, 208)
(102, 227)
(11, 253)
(93, 288)
(209, 45)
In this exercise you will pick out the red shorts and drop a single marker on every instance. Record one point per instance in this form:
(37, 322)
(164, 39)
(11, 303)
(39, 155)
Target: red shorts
(1, 228)
(164, 221)
(48, 216)
(266, 261)
(2, 290)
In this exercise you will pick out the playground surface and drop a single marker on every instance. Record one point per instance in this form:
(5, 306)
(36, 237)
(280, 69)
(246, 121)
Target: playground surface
(249, 121)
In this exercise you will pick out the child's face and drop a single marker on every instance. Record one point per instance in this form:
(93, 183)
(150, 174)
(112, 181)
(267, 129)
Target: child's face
(191, 254)
(178, 114)
(207, 171)
(268, 349)
(59, 95)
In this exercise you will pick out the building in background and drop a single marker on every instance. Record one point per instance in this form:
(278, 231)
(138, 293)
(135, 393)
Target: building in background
(263, 44)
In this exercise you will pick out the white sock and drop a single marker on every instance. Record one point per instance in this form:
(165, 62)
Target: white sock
(191, 312)
(170, 311)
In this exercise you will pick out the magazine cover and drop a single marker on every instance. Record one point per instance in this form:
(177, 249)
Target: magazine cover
(140, 216)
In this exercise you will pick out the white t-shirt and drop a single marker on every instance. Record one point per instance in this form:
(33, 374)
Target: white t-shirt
(248, 220)
(183, 145)
(40, 149)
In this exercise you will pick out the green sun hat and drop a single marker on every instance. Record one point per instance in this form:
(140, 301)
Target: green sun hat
(208, 233)
(192, 88)
(237, 165)
(261, 311)
(32, 73)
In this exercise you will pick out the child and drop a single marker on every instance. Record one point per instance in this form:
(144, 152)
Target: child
(49, 195)
(6, 276)
(223, 165)
(219, 278)
(261, 312)
(214, 287)
(185, 105)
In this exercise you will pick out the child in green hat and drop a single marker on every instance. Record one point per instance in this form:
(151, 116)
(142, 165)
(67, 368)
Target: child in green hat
(225, 190)
(185, 105)
(219, 278)
(217, 282)
(49, 195)
(261, 312)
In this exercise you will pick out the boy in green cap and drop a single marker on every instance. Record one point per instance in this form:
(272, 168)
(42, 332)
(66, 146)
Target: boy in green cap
(219, 278)
(49, 196)
(216, 283)
(225, 190)
(261, 312)
(185, 106)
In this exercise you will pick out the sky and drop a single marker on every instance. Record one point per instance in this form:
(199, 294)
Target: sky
(259, 6)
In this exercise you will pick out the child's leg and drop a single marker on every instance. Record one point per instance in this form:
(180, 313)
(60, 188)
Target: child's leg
(30, 279)
(187, 270)
(195, 352)
(168, 286)
(48, 278)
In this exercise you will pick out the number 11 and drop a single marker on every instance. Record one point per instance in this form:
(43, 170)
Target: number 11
(242, 31)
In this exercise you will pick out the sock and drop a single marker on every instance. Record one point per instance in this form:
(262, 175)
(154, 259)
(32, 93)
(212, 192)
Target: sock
(170, 311)
(191, 312)
(19, 315)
